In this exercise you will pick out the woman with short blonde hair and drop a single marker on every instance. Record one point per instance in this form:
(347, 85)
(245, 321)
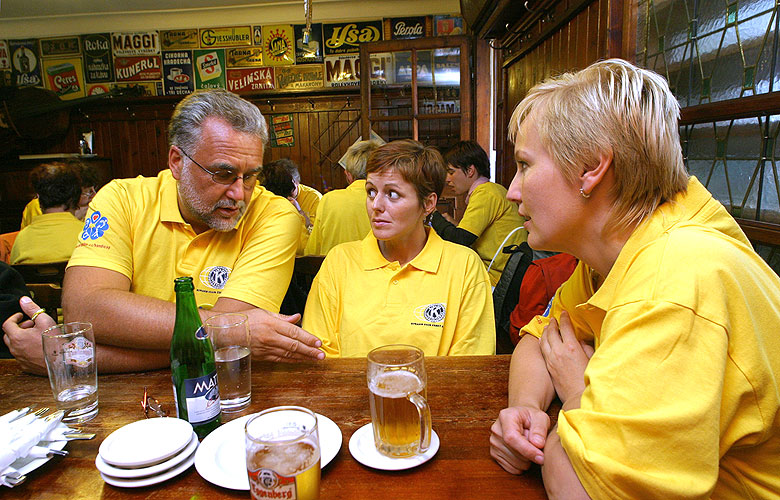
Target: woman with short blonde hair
(663, 345)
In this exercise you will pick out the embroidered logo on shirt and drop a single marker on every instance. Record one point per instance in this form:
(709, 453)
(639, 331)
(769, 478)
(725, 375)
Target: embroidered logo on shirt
(94, 227)
(431, 313)
(215, 276)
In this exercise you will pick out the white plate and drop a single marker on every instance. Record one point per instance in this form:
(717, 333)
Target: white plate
(147, 481)
(26, 465)
(116, 472)
(146, 442)
(221, 457)
(362, 447)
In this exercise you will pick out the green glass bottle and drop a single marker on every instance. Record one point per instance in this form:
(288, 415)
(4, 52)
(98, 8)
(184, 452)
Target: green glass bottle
(193, 368)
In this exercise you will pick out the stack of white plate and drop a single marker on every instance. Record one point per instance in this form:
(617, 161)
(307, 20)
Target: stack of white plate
(147, 452)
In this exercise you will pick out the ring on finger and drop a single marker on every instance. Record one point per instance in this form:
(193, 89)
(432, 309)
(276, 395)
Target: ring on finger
(36, 313)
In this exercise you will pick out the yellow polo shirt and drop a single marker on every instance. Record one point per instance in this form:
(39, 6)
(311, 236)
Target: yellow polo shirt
(49, 238)
(681, 397)
(440, 301)
(491, 217)
(31, 210)
(134, 227)
(341, 217)
(308, 199)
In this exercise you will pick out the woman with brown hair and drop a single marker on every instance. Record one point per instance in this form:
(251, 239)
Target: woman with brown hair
(402, 283)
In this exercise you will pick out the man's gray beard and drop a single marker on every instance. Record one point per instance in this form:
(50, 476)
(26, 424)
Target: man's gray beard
(201, 211)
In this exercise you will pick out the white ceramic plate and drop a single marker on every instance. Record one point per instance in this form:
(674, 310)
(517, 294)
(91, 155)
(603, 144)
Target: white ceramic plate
(26, 465)
(362, 448)
(221, 457)
(116, 472)
(147, 481)
(146, 442)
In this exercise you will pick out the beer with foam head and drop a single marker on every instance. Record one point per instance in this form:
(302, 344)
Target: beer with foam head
(400, 416)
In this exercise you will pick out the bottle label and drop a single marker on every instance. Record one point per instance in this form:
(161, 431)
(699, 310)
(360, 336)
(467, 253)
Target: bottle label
(202, 396)
(201, 333)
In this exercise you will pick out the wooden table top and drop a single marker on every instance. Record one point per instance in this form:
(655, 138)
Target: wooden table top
(465, 395)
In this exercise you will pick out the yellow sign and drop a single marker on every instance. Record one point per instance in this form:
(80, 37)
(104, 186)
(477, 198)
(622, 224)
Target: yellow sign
(179, 39)
(278, 48)
(225, 37)
(65, 77)
(244, 57)
(308, 76)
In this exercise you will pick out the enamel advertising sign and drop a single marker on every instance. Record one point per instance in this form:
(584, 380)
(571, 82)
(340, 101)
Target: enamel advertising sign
(177, 72)
(225, 37)
(278, 49)
(250, 79)
(144, 43)
(99, 65)
(131, 69)
(65, 77)
(344, 38)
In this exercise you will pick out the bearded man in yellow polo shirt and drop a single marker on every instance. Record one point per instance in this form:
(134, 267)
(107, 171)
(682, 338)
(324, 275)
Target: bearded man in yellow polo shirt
(203, 218)
(489, 217)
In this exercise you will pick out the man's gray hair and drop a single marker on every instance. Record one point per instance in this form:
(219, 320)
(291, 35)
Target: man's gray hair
(188, 117)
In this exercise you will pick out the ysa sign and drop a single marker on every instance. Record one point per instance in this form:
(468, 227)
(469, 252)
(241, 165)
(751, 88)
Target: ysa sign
(344, 38)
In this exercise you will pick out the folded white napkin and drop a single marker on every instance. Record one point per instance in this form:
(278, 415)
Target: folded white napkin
(22, 438)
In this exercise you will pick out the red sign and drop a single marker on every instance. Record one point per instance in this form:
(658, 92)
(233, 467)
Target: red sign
(138, 68)
(249, 79)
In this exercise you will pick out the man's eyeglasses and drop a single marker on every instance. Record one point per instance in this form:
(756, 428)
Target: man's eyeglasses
(225, 176)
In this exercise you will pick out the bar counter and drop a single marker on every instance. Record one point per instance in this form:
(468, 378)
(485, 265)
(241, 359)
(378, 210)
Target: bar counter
(465, 395)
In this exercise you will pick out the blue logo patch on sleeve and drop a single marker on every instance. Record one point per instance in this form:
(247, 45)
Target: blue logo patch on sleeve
(94, 227)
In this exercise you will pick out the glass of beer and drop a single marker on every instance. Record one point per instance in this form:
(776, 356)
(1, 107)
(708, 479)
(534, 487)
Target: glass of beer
(229, 334)
(283, 454)
(400, 414)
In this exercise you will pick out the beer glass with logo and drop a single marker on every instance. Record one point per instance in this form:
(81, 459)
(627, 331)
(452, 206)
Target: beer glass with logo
(229, 333)
(283, 454)
(400, 414)
(69, 352)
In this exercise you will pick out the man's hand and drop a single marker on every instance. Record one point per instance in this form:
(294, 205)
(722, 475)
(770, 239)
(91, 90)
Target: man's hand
(275, 337)
(517, 438)
(565, 357)
(23, 337)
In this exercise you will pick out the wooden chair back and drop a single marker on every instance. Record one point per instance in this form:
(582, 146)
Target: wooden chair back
(48, 296)
(306, 268)
(42, 273)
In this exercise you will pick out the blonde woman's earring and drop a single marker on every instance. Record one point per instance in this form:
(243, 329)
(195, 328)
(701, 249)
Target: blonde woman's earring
(584, 194)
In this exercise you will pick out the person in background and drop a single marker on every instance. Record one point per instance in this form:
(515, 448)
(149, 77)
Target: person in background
(341, 214)
(304, 198)
(51, 236)
(402, 283)
(489, 218)
(89, 184)
(663, 346)
(279, 179)
(202, 217)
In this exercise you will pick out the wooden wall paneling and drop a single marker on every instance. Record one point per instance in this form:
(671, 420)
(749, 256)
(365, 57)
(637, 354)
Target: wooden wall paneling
(603, 7)
(482, 101)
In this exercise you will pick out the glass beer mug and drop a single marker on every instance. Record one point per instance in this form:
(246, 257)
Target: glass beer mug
(283, 454)
(400, 415)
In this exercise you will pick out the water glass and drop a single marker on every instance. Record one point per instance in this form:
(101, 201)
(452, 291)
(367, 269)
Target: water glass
(283, 454)
(229, 334)
(69, 352)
